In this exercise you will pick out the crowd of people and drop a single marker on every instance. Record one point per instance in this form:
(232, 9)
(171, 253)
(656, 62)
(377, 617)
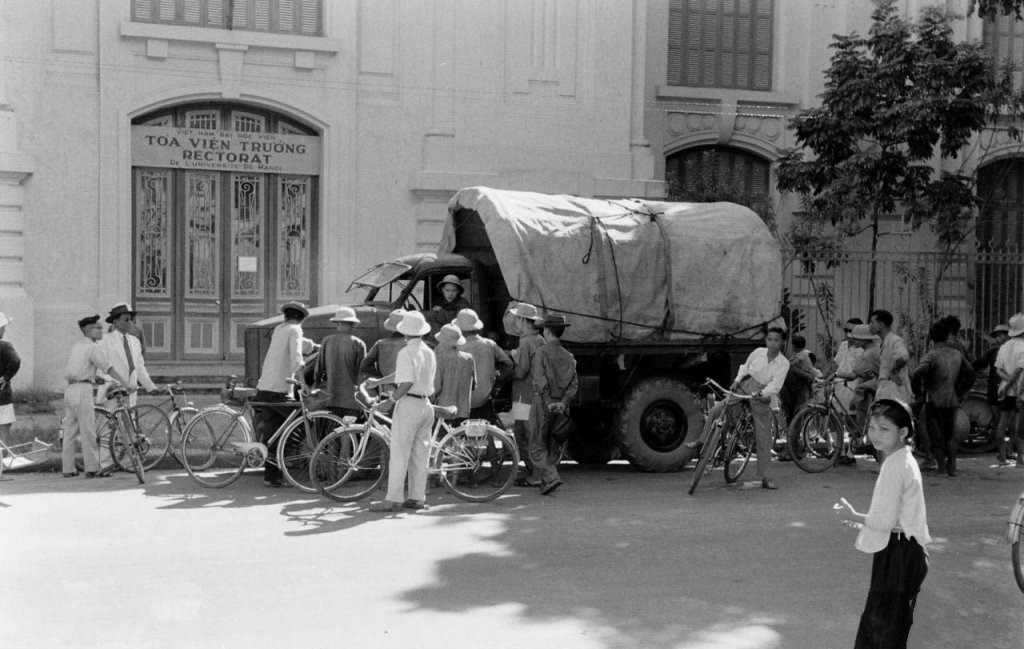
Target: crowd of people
(433, 358)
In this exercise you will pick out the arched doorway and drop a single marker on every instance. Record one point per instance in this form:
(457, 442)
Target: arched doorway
(719, 173)
(224, 224)
(1000, 237)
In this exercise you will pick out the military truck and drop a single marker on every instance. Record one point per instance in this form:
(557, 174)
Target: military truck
(659, 296)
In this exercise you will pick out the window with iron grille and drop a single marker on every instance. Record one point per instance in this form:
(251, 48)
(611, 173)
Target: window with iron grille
(713, 173)
(302, 17)
(1003, 38)
(720, 43)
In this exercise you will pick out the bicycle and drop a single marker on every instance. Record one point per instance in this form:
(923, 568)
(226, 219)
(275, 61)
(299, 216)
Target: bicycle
(730, 448)
(218, 444)
(118, 431)
(820, 432)
(476, 461)
(155, 432)
(1015, 537)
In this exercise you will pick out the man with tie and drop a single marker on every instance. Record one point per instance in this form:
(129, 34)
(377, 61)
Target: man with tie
(125, 351)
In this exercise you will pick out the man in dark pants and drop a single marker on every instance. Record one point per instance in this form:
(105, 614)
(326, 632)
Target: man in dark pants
(283, 362)
(944, 377)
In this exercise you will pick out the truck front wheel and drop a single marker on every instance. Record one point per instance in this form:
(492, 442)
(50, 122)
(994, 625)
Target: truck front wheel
(653, 422)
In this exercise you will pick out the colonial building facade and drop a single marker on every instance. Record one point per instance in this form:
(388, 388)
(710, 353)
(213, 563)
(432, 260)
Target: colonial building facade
(209, 160)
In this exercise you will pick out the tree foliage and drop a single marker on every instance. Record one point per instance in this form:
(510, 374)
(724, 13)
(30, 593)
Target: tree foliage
(892, 101)
(992, 7)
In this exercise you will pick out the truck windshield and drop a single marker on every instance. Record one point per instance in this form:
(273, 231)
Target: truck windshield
(380, 275)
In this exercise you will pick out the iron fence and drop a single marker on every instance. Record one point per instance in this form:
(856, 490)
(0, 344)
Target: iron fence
(822, 290)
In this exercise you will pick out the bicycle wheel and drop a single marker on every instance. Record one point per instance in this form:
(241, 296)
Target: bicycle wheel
(739, 445)
(215, 447)
(153, 431)
(106, 426)
(1018, 558)
(815, 439)
(477, 462)
(297, 443)
(709, 453)
(345, 468)
(179, 418)
(126, 447)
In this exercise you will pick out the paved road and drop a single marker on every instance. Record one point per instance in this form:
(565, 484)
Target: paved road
(616, 559)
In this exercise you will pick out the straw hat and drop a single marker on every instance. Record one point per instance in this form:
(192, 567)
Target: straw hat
(452, 279)
(528, 311)
(451, 335)
(999, 329)
(413, 324)
(393, 319)
(296, 306)
(4, 320)
(555, 321)
(1016, 325)
(118, 310)
(467, 320)
(862, 332)
(345, 314)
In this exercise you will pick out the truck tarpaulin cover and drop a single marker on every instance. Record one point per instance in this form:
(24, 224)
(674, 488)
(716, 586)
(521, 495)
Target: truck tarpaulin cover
(643, 269)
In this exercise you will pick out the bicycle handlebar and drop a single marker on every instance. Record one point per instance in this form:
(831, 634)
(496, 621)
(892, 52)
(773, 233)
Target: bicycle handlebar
(725, 391)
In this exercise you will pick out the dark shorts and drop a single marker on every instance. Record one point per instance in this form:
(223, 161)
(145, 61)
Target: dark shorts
(1008, 404)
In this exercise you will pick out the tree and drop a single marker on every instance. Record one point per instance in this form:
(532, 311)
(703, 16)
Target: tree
(892, 102)
(992, 7)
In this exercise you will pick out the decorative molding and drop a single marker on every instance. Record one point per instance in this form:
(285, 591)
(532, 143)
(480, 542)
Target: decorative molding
(541, 45)
(130, 29)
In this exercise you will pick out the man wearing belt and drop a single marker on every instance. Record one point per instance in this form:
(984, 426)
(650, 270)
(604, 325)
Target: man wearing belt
(414, 415)
(87, 358)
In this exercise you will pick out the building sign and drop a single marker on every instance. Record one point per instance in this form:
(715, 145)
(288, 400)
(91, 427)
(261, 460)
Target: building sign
(190, 148)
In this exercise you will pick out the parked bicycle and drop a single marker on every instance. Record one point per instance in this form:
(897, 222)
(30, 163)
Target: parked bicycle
(476, 461)
(158, 434)
(218, 444)
(820, 432)
(1015, 537)
(123, 432)
(729, 444)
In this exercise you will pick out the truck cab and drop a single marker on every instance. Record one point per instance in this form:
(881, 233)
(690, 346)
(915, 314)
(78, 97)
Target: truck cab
(409, 282)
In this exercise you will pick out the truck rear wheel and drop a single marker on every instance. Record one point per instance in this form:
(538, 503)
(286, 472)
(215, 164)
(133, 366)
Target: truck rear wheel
(653, 422)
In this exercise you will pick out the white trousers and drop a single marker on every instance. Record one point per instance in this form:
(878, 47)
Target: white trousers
(410, 449)
(80, 424)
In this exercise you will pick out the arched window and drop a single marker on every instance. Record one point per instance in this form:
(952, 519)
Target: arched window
(225, 224)
(713, 173)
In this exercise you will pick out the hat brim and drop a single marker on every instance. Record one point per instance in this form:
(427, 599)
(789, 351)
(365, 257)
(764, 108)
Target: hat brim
(868, 338)
(353, 320)
(114, 316)
(421, 331)
(461, 340)
(1013, 333)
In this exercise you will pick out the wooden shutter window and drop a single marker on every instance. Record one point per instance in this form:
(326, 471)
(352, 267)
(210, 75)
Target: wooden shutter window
(720, 43)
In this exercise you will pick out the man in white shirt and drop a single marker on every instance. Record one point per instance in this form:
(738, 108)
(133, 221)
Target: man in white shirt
(124, 351)
(413, 418)
(767, 367)
(283, 361)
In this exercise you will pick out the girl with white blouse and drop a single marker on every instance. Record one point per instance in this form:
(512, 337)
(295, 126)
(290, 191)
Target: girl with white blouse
(895, 530)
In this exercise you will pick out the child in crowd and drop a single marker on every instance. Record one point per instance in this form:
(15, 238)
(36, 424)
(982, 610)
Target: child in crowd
(337, 365)
(530, 340)
(453, 301)
(895, 531)
(455, 376)
(492, 365)
(555, 384)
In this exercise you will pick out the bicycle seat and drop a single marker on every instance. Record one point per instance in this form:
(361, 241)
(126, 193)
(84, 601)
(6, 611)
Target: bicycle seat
(114, 393)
